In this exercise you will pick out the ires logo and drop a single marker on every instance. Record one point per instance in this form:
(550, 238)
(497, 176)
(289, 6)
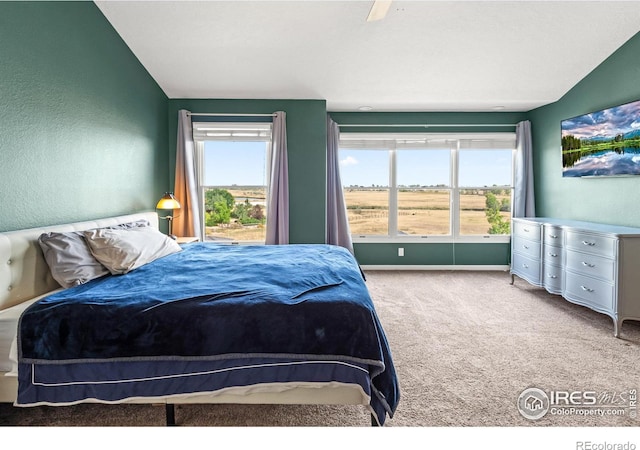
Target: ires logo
(534, 403)
(573, 398)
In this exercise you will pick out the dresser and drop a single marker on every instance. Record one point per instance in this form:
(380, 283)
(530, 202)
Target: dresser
(590, 264)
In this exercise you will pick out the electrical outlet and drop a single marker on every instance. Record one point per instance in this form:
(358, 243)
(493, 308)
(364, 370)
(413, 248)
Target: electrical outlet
(400, 251)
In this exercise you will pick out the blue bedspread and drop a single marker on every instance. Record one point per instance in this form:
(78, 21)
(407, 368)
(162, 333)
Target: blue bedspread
(212, 302)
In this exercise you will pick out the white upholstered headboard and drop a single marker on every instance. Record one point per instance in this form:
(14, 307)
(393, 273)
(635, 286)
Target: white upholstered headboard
(24, 274)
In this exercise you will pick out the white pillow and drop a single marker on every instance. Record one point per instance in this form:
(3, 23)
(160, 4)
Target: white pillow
(122, 250)
(69, 258)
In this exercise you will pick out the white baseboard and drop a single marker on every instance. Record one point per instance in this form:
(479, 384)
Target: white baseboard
(425, 267)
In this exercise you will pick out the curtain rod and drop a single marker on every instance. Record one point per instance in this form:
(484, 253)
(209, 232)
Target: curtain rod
(432, 125)
(232, 114)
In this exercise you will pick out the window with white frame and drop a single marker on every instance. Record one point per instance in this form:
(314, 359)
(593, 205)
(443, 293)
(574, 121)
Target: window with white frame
(403, 186)
(233, 172)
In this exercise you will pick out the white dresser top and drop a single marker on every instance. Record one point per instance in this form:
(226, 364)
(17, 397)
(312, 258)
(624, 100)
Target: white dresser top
(618, 230)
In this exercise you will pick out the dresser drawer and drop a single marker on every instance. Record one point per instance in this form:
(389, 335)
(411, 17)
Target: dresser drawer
(591, 265)
(526, 247)
(597, 294)
(552, 278)
(552, 255)
(591, 243)
(527, 230)
(526, 268)
(552, 236)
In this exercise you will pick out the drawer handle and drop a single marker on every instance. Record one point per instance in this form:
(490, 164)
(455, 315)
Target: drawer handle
(553, 255)
(590, 244)
(553, 236)
(525, 266)
(552, 276)
(586, 264)
(584, 288)
(526, 230)
(525, 247)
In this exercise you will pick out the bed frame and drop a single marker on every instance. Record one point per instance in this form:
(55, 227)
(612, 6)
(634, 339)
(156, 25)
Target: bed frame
(24, 276)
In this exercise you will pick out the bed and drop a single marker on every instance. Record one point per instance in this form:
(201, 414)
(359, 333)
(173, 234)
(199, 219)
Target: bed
(204, 323)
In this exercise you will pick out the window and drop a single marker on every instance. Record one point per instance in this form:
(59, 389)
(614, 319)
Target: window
(427, 186)
(366, 190)
(423, 191)
(232, 172)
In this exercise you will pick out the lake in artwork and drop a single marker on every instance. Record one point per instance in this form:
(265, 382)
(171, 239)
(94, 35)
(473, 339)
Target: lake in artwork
(618, 162)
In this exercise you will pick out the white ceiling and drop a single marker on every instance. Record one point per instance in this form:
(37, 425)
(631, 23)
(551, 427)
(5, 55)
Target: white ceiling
(424, 56)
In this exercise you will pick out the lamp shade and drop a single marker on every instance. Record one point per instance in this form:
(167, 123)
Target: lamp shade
(168, 201)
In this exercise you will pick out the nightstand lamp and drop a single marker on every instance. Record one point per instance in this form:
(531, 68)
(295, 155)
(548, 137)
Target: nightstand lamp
(168, 202)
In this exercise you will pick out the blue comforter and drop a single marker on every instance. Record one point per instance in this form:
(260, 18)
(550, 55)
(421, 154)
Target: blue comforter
(214, 302)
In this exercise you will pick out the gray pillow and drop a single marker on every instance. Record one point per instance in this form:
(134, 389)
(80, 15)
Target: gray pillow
(123, 250)
(69, 258)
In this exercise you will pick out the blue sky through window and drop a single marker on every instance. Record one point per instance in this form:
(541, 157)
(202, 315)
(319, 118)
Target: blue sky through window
(477, 168)
(423, 168)
(364, 167)
(244, 164)
(230, 162)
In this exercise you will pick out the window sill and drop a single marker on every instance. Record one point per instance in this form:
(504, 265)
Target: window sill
(484, 239)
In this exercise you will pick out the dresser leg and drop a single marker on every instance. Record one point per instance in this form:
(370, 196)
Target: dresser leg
(617, 325)
(513, 279)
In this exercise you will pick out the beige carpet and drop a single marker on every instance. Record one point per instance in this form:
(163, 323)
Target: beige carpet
(465, 345)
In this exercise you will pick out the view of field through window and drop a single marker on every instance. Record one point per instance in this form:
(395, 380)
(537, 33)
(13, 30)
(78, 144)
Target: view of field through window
(418, 187)
(235, 190)
(426, 212)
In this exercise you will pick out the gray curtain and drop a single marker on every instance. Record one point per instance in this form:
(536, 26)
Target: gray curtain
(338, 232)
(278, 197)
(187, 221)
(523, 197)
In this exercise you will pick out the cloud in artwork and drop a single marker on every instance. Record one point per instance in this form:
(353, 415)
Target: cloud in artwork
(604, 124)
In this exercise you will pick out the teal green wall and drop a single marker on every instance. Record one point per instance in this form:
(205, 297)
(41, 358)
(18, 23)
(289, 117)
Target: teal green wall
(431, 254)
(83, 130)
(306, 146)
(607, 200)
(306, 139)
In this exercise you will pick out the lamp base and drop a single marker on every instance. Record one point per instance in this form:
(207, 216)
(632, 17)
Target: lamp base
(169, 220)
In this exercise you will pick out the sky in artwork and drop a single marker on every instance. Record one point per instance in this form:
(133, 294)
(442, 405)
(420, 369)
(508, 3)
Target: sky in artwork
(606, 123)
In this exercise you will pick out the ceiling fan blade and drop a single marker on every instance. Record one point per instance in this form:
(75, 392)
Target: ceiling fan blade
(378, 10)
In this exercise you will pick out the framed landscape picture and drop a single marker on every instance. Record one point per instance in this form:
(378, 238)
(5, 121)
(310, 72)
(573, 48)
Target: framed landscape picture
(602, 143)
